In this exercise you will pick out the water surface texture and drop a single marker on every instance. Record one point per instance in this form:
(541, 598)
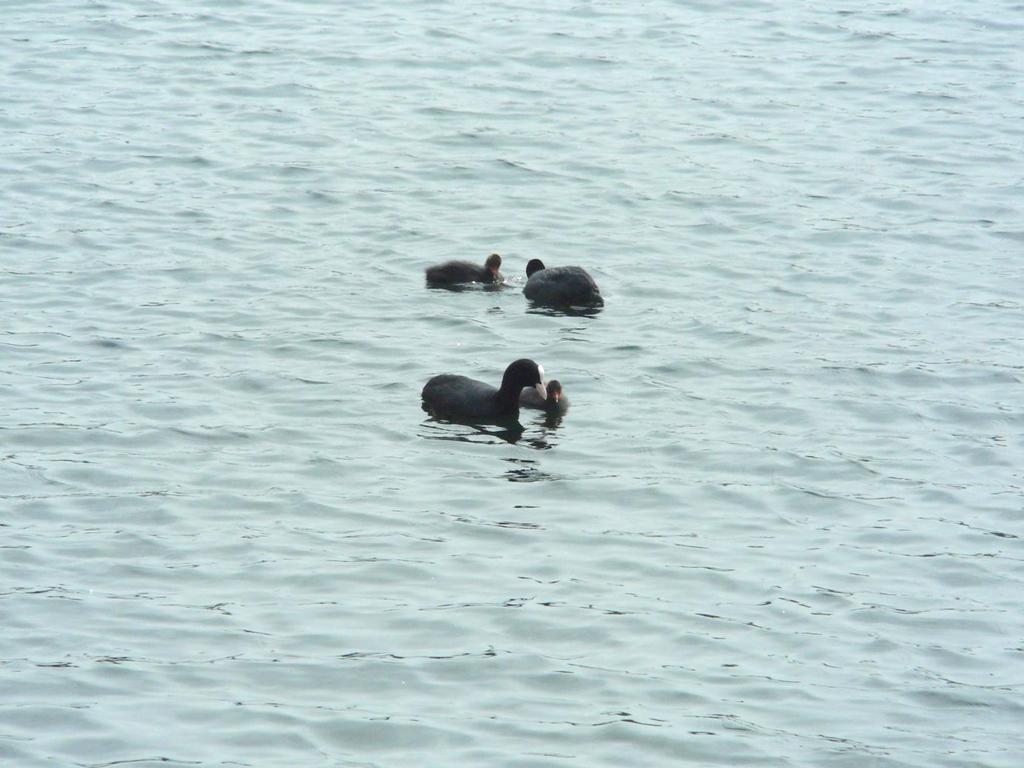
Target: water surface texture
(780, 525)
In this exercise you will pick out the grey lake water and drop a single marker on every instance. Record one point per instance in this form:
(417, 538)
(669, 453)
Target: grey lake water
(781, 524)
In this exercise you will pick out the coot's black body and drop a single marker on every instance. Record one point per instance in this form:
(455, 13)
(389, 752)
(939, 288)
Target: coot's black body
(460, 398)
(555, 403)
(456, 272)
(560, 286)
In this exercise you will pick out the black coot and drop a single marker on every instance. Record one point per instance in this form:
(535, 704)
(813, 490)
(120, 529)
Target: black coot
(460, 398)
(555, 403)
(560, 286)
(455, 272)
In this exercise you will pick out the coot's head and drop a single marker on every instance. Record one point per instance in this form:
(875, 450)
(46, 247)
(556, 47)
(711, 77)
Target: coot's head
(534, 265)
(554, 391)
(524, 373)
(493, 264)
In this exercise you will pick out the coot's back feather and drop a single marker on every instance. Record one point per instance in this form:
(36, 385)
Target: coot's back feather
(560, 286)
(451, 394)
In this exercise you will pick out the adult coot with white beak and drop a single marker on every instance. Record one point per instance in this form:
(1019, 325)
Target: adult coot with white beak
(460, 398)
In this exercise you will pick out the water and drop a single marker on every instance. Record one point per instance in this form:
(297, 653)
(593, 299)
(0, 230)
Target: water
(781, 523)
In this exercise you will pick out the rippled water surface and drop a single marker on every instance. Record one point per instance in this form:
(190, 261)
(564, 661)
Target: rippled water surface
(780, 525)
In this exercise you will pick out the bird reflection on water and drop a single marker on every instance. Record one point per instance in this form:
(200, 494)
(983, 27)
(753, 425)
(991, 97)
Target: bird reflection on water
(470, 287)
(526, 471)
(474, 433)
(582, 311)
(510, 432)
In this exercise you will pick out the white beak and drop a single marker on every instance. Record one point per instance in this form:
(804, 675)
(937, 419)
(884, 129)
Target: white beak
(541, 390)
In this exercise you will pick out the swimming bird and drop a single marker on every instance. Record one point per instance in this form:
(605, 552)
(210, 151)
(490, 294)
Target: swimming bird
(560, 286)
(555, 403)
(455, 272)
(460, 398)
